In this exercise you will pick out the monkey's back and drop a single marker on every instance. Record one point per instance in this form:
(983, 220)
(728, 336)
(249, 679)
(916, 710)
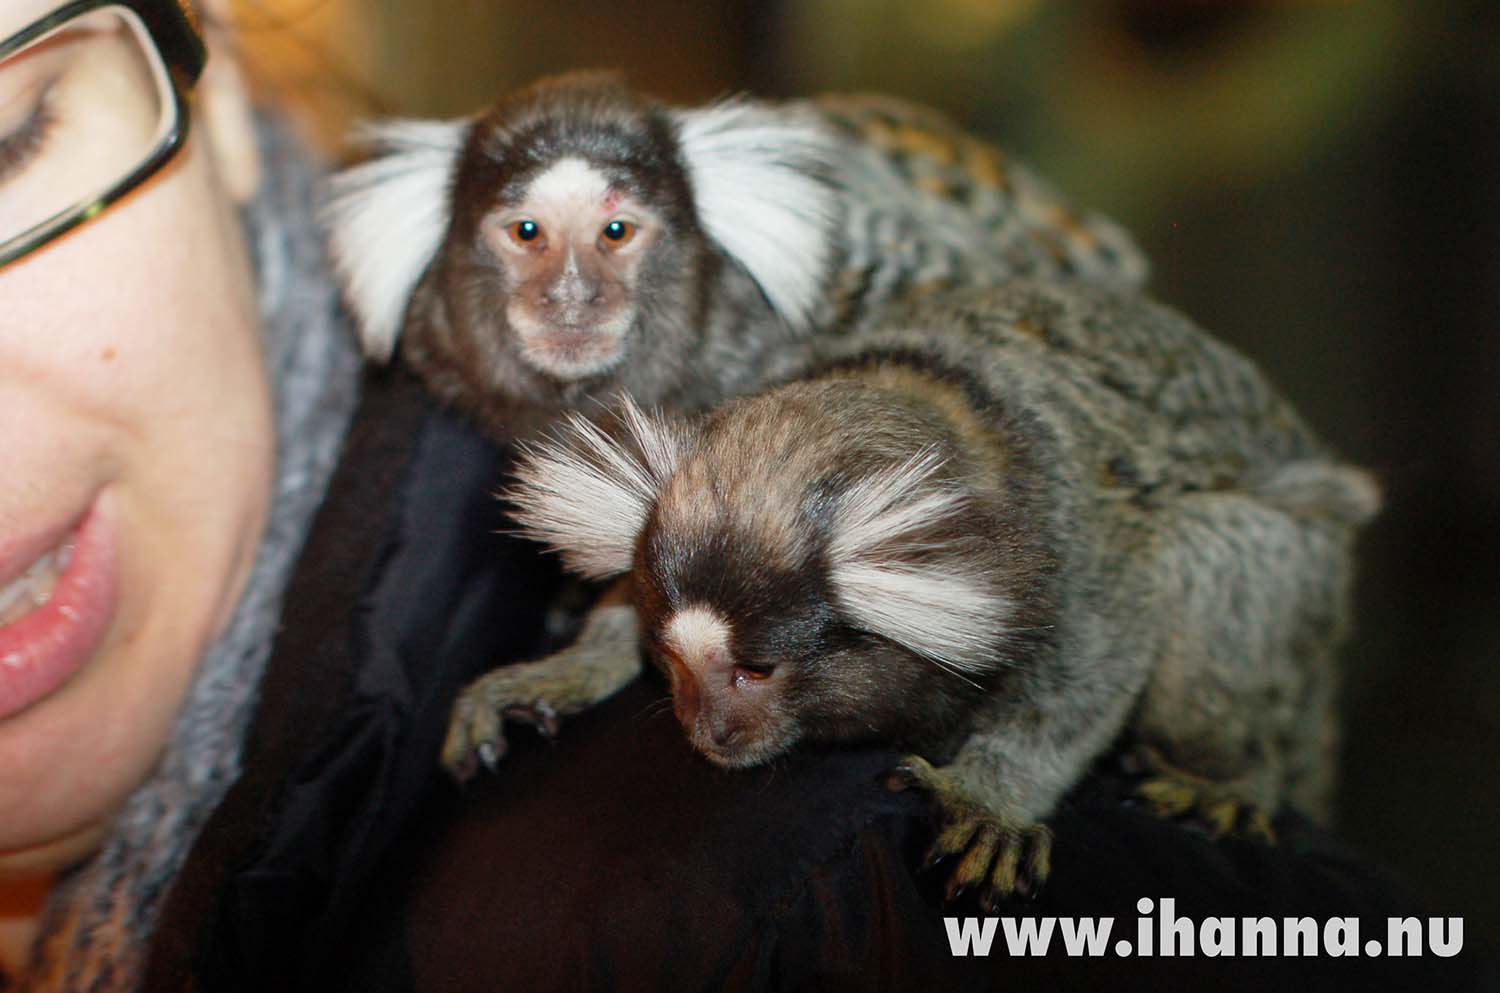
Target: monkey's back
(1202, 532)
(1127, 393)
(926, 206)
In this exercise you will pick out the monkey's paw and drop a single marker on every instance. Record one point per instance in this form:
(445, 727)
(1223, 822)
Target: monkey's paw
(538, 693)
(997, 853)
(1219, 809)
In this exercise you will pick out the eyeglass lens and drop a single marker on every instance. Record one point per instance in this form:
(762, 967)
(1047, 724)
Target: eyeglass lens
(80, 108)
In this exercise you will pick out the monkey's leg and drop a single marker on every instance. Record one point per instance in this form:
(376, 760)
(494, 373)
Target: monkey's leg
(1031, 743)
(605, 657)
(1238, 708)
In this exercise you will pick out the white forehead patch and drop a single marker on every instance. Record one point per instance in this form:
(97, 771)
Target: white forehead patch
(698, 632)
(569, 183)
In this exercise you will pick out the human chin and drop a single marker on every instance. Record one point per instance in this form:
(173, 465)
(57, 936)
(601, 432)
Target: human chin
(155, 566)
(60, 603)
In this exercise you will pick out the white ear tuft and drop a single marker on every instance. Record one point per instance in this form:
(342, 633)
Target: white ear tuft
(934, 606)
(587, 494)
(760, 185)
(387, 218)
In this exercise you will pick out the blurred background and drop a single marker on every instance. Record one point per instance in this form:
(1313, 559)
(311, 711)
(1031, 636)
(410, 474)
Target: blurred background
(1316, 182)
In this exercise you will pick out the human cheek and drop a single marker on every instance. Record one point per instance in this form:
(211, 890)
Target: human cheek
(136, 375)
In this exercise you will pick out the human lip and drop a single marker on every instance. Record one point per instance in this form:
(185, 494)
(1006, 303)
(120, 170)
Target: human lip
(17, 554)
(41, 648)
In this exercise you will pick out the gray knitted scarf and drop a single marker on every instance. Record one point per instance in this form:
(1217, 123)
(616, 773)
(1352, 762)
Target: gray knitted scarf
(98, 925)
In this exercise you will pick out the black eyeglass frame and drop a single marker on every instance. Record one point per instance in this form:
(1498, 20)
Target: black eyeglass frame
(179, 43)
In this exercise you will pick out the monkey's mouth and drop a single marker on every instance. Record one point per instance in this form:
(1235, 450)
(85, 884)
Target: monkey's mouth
(576, 352)
(573, 354)
(739, 753)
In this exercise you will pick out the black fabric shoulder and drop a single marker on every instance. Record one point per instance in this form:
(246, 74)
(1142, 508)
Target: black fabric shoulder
(340, 755)
(615, 859)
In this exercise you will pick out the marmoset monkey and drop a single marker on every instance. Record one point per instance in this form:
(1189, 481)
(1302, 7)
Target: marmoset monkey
(1001, 532)
(579, 241)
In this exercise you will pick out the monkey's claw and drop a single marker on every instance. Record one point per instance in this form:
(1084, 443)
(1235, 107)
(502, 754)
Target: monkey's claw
(914, 773)
(998, 854)
(476, 730)
(539, 693)
(1218, 812)
(1217, 808)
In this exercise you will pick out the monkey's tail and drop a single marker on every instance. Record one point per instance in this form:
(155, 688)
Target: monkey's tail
(1313, 489)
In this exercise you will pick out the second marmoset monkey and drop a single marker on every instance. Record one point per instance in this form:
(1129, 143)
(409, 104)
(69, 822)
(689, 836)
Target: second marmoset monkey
(1002, 533)
(579, 240)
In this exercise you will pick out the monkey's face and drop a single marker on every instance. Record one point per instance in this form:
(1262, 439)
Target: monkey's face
(730, 704)
(751, 684)
(794, 579)
(574, 260)
(579, 240)
(569, 255)
(758, 657)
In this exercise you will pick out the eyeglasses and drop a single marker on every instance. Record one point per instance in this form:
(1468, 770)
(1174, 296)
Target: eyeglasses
(92, 103)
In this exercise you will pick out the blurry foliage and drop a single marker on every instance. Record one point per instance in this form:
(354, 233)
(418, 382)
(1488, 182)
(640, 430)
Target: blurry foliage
(1117, 98)
(338, 61)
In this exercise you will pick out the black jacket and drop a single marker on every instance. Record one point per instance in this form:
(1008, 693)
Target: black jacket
(615, 858)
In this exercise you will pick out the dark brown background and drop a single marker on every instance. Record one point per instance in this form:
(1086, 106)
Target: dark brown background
(1317, 182)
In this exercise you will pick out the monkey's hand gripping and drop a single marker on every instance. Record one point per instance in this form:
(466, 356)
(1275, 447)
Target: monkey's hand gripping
(604, 659)
(1001, 854)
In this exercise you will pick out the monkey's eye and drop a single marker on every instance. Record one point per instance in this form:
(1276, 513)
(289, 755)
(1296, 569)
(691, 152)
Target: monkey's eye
(527, 233)
(753, 671)
(617, 233)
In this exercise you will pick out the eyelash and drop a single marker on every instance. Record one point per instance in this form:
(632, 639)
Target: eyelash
(21, 146)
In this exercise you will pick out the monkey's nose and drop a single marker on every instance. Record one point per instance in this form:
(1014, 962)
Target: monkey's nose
(572, 293)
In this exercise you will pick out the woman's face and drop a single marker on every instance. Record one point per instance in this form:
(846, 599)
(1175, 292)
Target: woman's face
(136, 451)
